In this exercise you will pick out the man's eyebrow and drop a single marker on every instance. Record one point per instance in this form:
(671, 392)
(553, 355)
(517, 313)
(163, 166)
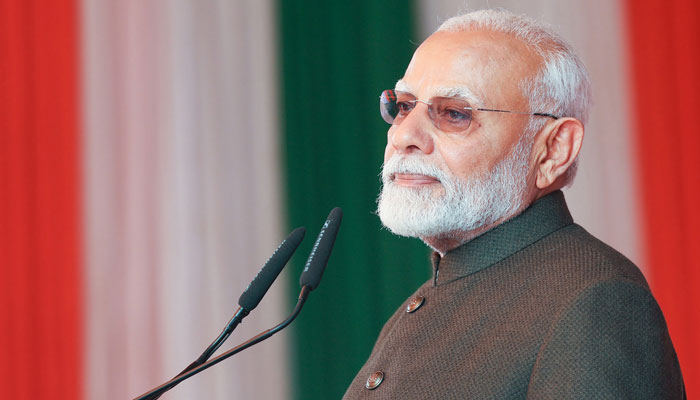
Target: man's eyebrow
(402, 86)
(462, 92)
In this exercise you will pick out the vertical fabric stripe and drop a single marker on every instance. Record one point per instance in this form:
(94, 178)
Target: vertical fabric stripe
(336, 58)
(40, 228)
(182, 198)
(665, 51)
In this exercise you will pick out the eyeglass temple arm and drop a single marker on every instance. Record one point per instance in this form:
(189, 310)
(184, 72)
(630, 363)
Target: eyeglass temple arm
(519, 112)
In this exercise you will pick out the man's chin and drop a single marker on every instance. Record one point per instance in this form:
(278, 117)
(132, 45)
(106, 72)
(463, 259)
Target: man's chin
(422, 213)
(416, 217)
(405, 228)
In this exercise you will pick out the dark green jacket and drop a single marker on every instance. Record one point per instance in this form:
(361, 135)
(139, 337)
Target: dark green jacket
(535, 308)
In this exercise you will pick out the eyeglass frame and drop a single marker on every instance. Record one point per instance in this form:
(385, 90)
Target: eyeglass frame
(429, 104)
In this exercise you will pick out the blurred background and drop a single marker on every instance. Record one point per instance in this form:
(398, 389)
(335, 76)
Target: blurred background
(154, 154)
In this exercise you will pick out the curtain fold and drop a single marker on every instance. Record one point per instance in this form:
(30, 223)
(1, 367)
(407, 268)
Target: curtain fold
(181, 194)
(665, 55)
(41, 340)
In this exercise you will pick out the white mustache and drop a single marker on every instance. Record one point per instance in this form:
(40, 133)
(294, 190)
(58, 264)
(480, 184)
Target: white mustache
(411, 165)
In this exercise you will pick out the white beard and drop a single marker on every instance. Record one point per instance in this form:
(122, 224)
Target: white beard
(465, 206)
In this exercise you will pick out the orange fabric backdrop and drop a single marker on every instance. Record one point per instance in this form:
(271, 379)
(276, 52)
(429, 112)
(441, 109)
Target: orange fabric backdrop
(40, 288)
(665, 62)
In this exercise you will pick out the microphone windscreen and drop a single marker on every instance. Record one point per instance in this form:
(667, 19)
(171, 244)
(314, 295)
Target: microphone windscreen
(316, 264)
(263, 280)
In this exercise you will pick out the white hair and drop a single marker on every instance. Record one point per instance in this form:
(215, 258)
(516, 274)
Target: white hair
(562, 86)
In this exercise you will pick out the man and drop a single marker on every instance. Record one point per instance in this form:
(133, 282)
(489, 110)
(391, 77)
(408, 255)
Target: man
(487, 124)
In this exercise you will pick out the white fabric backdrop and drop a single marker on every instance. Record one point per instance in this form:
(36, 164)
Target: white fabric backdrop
(603, 198)
(182, 200)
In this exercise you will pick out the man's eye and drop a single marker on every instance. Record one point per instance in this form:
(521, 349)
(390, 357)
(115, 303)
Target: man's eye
(457, 115)
(404, 107)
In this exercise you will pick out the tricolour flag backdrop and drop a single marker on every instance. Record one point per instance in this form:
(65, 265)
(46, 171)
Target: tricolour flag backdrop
(153, 154)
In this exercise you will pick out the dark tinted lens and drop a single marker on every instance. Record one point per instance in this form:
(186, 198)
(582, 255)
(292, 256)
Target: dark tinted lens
(387, 106)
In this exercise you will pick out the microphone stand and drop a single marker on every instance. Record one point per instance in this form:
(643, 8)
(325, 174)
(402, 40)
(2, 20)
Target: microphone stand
(158, 391)
(309, 280)
(232, 324)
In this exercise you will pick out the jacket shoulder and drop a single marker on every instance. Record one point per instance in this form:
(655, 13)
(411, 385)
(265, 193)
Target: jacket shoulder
(573, 256)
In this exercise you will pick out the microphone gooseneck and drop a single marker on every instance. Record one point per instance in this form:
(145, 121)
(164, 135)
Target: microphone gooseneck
(250, 298)
(309, 280)
(158, 391)
(257, 288)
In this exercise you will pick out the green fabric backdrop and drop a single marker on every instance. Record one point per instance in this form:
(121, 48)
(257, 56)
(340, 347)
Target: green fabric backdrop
(336, 57)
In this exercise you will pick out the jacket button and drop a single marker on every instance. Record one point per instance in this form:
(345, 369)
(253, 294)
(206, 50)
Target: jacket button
(374, 380)
(415, 304)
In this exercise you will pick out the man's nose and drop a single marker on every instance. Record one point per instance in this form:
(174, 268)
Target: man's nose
(414, 133)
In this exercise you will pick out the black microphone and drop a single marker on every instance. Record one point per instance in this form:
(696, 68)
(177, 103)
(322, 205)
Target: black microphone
(251, 296)
(309, 280)
(318, 259)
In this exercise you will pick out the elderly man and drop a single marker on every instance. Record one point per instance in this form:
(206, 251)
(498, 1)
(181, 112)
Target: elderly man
(486, 127)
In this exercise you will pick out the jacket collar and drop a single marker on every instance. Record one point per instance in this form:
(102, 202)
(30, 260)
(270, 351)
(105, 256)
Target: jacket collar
(543, 217)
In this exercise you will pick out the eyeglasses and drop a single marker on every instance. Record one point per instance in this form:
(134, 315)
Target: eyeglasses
(449, 114)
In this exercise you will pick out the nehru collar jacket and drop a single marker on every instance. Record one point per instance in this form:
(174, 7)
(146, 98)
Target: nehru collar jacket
(534, 308)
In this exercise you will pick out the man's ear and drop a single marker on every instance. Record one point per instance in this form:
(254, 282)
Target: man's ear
(558, 145)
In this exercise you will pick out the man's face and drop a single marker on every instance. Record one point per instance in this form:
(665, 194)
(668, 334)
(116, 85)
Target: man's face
(486, 68)
(489, 65)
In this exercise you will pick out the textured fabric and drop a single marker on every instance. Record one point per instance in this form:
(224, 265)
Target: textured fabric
(535, 308)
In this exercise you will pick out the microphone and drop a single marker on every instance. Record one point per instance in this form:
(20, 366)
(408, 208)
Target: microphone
(252, 295)
(309, 280)
(318, 258)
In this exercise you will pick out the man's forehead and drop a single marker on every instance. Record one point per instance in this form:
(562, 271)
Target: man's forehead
(460, 91)
(483, 67)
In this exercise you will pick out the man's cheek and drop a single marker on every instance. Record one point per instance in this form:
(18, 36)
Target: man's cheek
(388, 152)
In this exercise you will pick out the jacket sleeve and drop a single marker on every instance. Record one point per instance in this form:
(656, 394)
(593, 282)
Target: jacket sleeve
(611, 342)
